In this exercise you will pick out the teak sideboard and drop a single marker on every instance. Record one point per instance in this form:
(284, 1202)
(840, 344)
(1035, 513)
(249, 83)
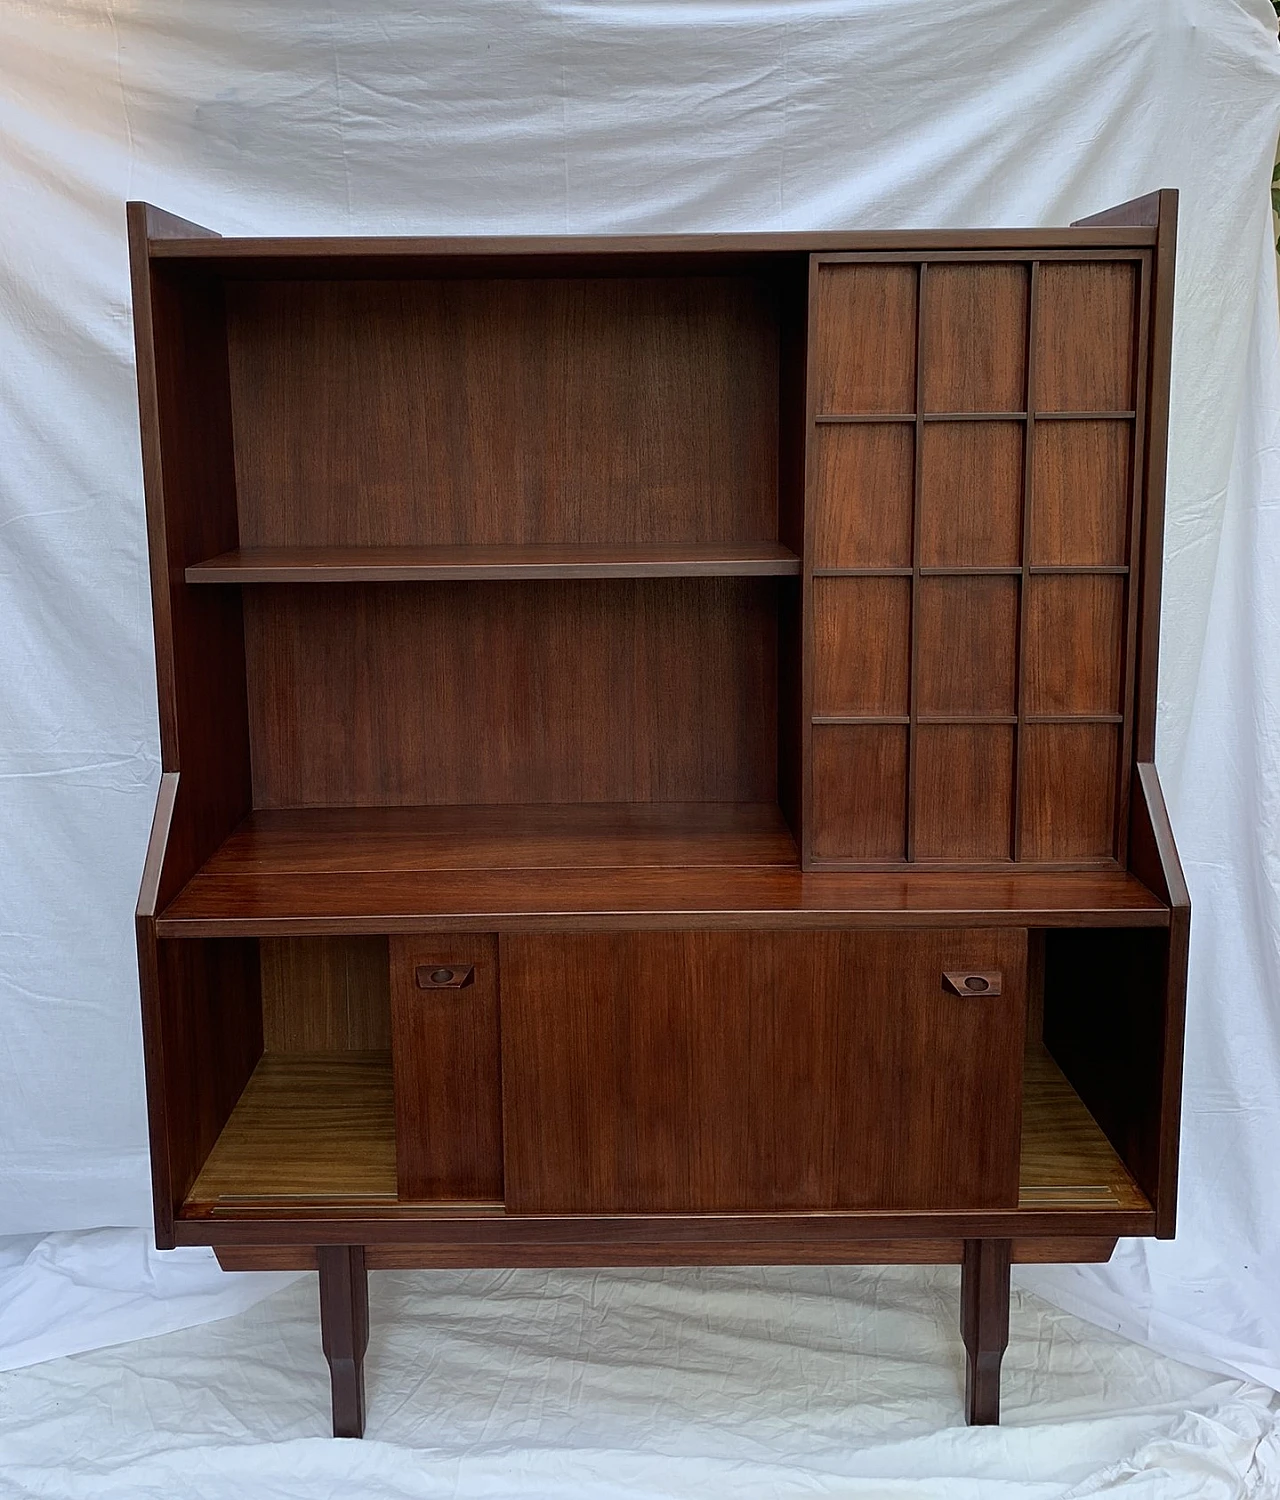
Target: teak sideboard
(658, 753)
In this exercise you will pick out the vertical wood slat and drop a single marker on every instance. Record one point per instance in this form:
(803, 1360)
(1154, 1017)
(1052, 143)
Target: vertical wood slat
(913, 705)
(805, 839)
(1133, 581)
(1028, 438)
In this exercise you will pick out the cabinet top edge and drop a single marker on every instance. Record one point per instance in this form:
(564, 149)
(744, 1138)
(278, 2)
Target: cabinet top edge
(212, 249)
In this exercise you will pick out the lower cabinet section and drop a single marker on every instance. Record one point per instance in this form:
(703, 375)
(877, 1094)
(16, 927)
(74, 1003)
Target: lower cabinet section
(726, 1072)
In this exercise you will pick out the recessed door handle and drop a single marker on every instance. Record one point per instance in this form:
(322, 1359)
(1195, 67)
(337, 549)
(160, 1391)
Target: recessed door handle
(444, 976)
(971, 983)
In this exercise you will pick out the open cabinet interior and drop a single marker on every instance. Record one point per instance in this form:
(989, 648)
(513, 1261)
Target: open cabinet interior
(316, 1123)
(514, 541)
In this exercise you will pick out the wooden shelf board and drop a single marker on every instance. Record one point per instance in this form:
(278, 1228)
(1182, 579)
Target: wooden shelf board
(462, 563)
(597, 867)
(319, 1128)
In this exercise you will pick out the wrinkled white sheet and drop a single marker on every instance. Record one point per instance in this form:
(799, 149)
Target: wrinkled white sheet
(68, 1292)
(562, 115)
(706, 1384)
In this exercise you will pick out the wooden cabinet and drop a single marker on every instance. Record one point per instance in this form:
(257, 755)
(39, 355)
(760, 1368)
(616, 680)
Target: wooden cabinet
(657, 742)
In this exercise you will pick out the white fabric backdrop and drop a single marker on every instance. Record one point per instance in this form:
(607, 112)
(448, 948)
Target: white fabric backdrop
(518, 116)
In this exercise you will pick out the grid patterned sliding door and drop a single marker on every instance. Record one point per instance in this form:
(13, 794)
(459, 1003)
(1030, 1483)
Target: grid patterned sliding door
(972, 535)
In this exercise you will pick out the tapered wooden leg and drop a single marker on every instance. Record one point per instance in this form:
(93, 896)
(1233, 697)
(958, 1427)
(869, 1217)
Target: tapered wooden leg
(344, 1331)
(984, 1322)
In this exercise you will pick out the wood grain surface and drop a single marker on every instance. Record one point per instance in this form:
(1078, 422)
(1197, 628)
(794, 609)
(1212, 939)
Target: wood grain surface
(601, 411)
(672, 694)
(708, 1072)
(463, 563)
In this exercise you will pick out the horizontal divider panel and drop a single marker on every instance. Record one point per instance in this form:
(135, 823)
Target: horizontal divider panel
(1085, 416)
(1070, 1249)
(1073, 718)
(1004, 865)
(1078, 891)
(860, 719)
(824, 417)
(977, 570)
(1126, 246)
(967, 719)
(1119, 569)
(1010, 571)
(534, 561)
(832, 418)
(469, 255)
(905, 572)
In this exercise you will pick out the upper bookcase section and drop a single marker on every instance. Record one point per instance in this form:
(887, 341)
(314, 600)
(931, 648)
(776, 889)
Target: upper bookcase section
(887, 507)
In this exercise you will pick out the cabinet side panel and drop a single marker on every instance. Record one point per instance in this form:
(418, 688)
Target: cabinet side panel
(1156, 376)
(448, 1069)
(188, 468)
(1154, 859)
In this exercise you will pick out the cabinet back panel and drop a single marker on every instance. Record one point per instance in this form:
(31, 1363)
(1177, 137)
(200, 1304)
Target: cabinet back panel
(601, 410)
(325, 994)
(625, 690)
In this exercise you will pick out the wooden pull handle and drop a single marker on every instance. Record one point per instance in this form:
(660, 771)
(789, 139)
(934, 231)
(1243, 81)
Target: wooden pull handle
(444, 976)
(972, 984)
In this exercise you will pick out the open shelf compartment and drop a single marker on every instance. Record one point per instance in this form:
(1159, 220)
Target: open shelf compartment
(313, 1130)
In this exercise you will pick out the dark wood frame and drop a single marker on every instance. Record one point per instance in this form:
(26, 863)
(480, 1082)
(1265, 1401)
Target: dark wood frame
(223, 868)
